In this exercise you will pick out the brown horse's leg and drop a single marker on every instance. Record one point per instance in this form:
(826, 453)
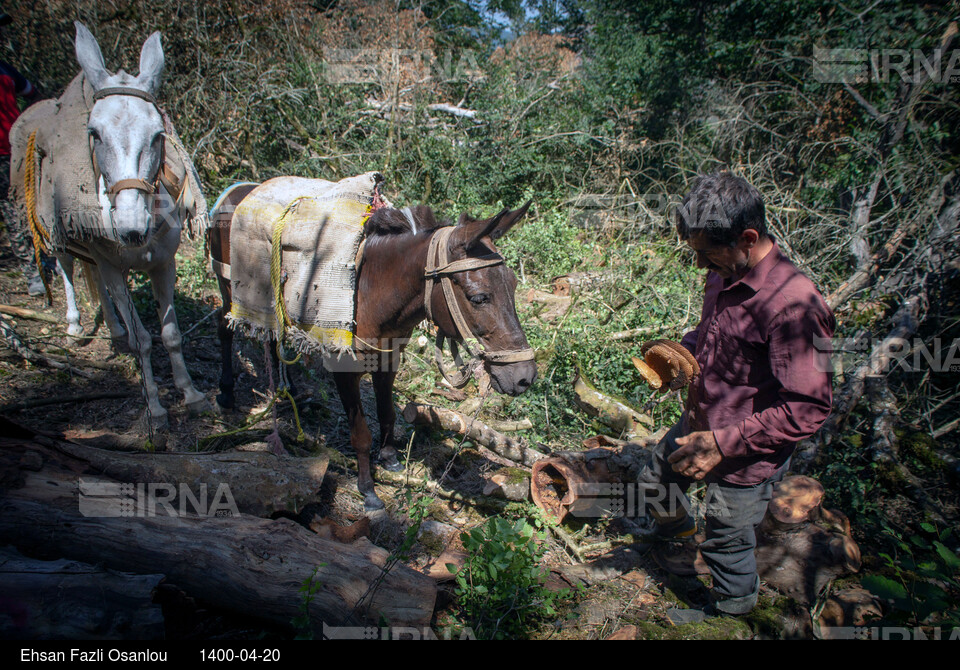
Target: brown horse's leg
(348, 387)
(225, 397)
(387, 415)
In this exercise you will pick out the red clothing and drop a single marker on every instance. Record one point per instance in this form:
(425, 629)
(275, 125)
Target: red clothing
(764, 381)
(12, 84)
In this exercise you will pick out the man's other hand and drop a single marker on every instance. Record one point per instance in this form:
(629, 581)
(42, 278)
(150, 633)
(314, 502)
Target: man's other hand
(698, 454)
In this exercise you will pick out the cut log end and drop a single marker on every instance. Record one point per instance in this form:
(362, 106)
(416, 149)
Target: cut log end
(796, 500)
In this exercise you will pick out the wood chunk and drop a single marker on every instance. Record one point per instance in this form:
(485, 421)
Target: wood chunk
(673, 369)
(796, 499)
(651, 376)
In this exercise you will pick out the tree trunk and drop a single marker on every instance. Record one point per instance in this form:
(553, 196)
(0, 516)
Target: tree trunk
(67, 600)
(251, 566)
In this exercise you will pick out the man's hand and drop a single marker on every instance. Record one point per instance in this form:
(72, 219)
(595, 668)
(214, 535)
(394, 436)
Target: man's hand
(698, 454)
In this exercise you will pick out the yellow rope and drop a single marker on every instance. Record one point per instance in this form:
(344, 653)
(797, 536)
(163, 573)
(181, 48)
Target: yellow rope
(276, 259)
(40, 234)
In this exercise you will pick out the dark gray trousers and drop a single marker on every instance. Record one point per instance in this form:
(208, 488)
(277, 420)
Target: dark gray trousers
(731, 513)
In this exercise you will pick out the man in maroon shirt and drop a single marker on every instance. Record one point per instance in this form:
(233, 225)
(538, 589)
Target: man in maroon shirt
(763, 385)
(13, 84)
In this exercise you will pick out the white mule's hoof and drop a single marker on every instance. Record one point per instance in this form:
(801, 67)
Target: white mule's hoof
(198, 407)
(153, 425)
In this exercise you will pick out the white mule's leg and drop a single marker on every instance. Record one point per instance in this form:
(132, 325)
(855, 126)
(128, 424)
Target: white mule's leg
(162, 279)
(65, 267)
(139, 338)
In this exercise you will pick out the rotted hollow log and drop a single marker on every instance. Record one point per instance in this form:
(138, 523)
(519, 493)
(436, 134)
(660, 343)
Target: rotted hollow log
(569, 484)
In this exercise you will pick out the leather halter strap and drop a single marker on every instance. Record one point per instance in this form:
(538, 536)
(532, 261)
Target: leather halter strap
(124, 90)
(439, 268)
(124, 184)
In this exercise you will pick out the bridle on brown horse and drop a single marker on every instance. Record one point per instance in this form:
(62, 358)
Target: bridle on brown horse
(164, 175)
(440, 268)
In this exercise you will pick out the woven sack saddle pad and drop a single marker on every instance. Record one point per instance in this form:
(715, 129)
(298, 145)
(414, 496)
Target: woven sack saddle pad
(320, 227)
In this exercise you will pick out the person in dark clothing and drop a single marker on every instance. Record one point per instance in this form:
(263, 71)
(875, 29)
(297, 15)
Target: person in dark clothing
(763, 385)
(12, 85)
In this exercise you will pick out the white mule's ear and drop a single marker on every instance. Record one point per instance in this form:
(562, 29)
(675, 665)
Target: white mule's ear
(90, 57)
(151, 65)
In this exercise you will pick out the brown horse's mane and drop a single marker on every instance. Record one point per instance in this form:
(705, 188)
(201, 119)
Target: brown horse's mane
(389, 221)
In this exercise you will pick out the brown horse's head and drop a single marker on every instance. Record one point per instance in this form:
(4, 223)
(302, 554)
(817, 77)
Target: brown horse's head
(486, 300)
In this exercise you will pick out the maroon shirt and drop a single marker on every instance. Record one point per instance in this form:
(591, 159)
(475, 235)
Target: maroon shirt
(12, 84)
(764, 384)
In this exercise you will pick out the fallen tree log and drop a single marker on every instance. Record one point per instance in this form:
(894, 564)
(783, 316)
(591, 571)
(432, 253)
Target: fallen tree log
(248, 565)
(611, 410)
(260, 483)
(907, 320)
(448, 419)
(554, 306)
(565, 484)
(24, 313)
(575, 282)
(64, 399)
(68, 600)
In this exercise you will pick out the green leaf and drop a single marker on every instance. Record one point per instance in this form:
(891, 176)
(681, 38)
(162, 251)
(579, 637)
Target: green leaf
(883, 587)
(948, 556)
(452, 568)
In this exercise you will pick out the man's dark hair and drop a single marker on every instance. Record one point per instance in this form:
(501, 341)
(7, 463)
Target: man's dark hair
(721, 206)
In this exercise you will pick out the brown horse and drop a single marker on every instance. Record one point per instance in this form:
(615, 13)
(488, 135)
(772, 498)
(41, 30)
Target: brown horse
(405, 273)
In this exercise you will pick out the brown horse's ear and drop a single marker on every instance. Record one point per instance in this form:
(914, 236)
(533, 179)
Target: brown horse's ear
(508, 221)
(473, 230)
(494, 228)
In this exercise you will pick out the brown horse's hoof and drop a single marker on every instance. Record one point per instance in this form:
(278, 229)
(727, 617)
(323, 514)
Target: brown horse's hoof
(225, 401)
(389, 461)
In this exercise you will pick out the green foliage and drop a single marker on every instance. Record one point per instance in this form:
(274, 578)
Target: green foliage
(303, 623)
(850, 480)
(418, 509)
(192, 275)
(925, 583)
(500, 589)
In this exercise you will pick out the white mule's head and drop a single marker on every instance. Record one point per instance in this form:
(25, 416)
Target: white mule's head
(126, 133)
